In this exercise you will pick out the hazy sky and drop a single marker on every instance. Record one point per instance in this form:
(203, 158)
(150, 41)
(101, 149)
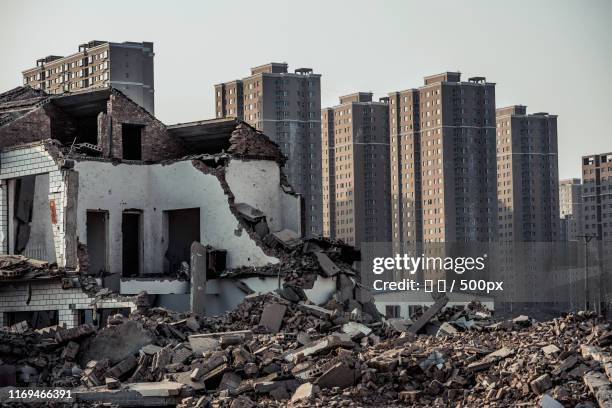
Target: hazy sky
(551, 55)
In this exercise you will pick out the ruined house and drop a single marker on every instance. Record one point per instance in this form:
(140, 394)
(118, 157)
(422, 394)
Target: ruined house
(95, 184)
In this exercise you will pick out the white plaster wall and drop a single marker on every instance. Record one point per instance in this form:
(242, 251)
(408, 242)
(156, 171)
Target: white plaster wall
(257, 183)
(153, 286)
(154, 189)
(40, 244)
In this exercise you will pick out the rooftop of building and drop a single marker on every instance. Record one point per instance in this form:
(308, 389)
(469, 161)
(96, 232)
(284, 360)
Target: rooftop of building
(570, 181)
(90, 45)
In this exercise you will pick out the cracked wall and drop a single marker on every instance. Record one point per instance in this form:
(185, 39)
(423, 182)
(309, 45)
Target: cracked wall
(154, 189)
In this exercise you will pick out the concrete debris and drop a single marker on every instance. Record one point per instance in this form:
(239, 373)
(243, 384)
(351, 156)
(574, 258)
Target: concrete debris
(279, 347)
(270, 351)
(305, 391)
(272, 317)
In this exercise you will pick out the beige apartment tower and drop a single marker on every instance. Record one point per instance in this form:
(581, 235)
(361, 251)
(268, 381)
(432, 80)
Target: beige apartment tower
(570, 210)
(597, 195)
(286, 106)
(355, 151)
(443, 170)
(126, 66)
(527, 176)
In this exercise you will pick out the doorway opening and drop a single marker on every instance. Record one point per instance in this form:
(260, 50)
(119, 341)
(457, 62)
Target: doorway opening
(183, 228)
(131, 230)
(97, 241)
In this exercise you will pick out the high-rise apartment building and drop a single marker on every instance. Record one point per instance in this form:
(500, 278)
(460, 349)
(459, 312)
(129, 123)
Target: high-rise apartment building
(597, 195)
(443, 165)
(126, 66)
(527, 176)
(570, 209)
(355, 139)
(286, 106)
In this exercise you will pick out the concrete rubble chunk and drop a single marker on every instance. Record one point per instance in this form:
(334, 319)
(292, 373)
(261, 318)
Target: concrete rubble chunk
(272, 317)
(428, 315)
(339, 375)
(249, 213)
(541, 384)
(112, 383)
(549, 402)
(550, 349)
(328, 267)
(287, 238)
(600, 387)
(116, 342)
(201, 345)
(305, 391)
(356, 330)
(70, 351)
(446, 329)
(66, 335)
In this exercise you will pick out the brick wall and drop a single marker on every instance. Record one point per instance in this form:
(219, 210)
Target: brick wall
(156, 143)
(29, 160)
(33, 126)
(51, 296)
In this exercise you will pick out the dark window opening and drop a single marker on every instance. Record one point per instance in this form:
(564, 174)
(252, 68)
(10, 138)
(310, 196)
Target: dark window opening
(131, 139)
(87, 130)
(131, 243)
(183, 230)
(97, 233)
(36, 320)
(392, 311)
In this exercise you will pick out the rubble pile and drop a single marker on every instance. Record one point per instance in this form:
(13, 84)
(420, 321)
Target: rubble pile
(279, 348)
(20, 267)
(274, 352)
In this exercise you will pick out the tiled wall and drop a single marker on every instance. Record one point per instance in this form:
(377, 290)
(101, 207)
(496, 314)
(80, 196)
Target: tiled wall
(51, 296)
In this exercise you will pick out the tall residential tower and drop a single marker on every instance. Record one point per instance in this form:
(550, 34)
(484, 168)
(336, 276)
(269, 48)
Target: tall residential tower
(597, 195)
(286, 106)
(443, 164)
(527, 175)
(355, 138)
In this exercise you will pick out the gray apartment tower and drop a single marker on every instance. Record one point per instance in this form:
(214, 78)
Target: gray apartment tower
(287, 108)
(570, 210)
(527, 175)
(355, 139)
(126, 66)
(597, 195)
(443, 164)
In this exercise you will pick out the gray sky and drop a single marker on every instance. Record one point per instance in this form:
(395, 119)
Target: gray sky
(551, 55)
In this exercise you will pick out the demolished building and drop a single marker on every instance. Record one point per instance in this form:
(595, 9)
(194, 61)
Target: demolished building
(94, 184)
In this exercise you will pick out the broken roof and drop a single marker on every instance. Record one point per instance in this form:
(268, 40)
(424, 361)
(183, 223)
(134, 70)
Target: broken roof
(19, 101)
(227, 134)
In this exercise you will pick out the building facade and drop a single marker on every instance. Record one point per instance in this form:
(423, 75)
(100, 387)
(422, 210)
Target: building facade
(126, 66)
(355, 152)
(527, 175)
(443, 165)
(597, 195)
(570, 210)
(286, 107)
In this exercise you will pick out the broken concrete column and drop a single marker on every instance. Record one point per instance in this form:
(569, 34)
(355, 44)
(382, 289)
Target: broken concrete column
(198, 278)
